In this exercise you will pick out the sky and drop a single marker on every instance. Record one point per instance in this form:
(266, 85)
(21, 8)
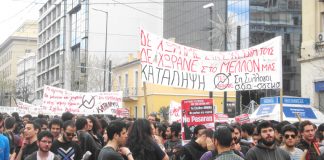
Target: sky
(14, 12)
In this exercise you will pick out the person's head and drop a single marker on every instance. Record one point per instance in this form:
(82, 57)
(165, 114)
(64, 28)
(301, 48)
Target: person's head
(175, 129)
(278, 131)
(103, 124)
(307, 130)
(223, 137)
(247, 130)
(67, 116)
(236, 132)
(9, 123)
(289, 133)
(168, 132)
(55, 127)
(139, 132)
(26, 118)
(209, 139)
(116, 131)
(31, 130)
(152, 117)
(44, 141)
(93, 124)
(266, 131)
(160, 130)
(16, 116)
(198, 130)
(320, 132)
(81, 124)
(69, 130)
(42, 123)
(256, 137)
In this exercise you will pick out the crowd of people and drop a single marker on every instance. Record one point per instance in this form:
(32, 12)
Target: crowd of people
(72, 137)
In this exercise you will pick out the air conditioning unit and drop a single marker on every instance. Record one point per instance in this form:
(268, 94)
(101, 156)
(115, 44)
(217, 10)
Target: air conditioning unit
(321, 36)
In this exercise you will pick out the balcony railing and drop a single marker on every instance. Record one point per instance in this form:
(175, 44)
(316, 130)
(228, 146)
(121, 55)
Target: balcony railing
(130, 93)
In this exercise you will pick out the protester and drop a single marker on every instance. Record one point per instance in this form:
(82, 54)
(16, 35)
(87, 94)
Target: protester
(94, 130)
(9, 125)
(67, 116)
(26, 118)
(86, 142)
(29, 144)
(42, 122)
(290, 133)
(175, 130)
(55, 127)
(308, 141)
(266, 145)
(117, 137)
(247, 132)
(223, 140)
(64, 147)
(243, 147)
(195, 148)
(141, 143)
(44, 143)
(278, 131)
(152, 117)
(4, 142)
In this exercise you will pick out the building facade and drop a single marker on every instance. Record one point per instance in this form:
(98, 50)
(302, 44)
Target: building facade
(312, 53)
(127, 78)
(75, 36)
(26, 78)
(13, 49)
(236, 24)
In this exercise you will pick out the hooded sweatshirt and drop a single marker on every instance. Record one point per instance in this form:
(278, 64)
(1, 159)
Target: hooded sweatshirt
(263, 152)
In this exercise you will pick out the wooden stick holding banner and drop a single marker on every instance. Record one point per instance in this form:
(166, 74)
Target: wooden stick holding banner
(145, 98)
(298, 116)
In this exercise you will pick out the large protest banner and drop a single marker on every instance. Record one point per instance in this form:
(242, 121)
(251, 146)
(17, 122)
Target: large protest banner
(196, 112)
(57, 101)
(171, 64)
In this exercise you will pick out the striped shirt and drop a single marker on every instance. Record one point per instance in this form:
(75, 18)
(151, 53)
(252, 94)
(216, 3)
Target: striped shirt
(228, 155)
(296, 154)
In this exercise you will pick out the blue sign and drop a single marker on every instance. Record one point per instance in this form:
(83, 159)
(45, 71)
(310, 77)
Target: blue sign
(265, 109)
(319, 86)
(286, 100)
(303, 112)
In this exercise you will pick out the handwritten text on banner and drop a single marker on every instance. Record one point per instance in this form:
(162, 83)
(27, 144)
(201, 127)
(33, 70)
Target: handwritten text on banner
(171, 64)
(57, 100)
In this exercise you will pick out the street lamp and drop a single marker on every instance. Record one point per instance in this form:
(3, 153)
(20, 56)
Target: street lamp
(105, 65)
(210, 7)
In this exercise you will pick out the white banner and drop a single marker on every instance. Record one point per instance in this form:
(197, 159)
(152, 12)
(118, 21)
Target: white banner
(171, 64)
(175, 112)
(8, 110)
(57, 101)
(26, 108)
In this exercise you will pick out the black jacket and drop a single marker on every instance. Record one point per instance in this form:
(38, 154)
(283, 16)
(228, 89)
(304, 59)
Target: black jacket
(262, 152)
(191, 151)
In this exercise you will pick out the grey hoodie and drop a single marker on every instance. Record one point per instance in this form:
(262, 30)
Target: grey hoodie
(263, 152)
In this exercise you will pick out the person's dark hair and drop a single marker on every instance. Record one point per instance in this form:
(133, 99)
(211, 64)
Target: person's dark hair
(320, 128)
(176, 128)
(9, 122)
(198, 127)
(40, 116)
(28, 116)
(223, 135)
(152, 115)
(55, 121)
(35, 125)
(305, 123)
(209, 133)
(248, 128)
(264, 124)
(16, 116)
(279, 126)
(289, 127)
(67, 116)
(115, 127)
(80, 123)
(296, 124)
(41, 122)
(96, 125)
(43, 134)
(140, 138)
(69, 123)
(162, 128)
(237, 126)
(104, 125)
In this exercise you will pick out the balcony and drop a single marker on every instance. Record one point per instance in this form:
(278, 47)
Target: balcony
(130, 94)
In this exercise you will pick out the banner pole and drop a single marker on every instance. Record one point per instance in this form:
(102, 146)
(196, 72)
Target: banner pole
(281, 106)
(145, 98)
